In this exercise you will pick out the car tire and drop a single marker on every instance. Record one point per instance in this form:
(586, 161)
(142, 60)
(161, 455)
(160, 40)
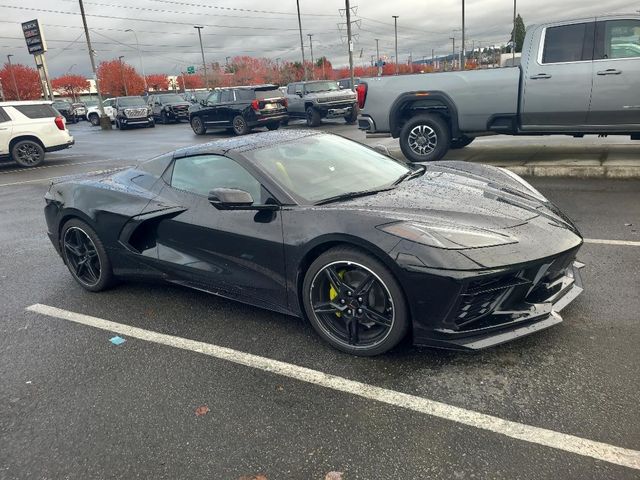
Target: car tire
(273, 126)
(118, 124)
(163, 118)
(352, 116)
(425, 138)
(240, 126)
(85, 256)
(461, 142)
(313, 117)
(27, 153)
(355, 326)
(198, 126)
(94, 119)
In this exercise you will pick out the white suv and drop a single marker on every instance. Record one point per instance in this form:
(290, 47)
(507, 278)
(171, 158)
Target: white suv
(93, 113)
(29, 129)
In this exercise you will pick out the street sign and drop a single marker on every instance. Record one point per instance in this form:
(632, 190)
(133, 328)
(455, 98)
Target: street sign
(34, 36)
(191, 70)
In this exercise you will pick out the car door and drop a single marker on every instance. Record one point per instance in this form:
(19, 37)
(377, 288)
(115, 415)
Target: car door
(226, 110)
(615, 100)
(235, 253)
(557, 80)
(6, 127)
(295, 101)
(209, 111)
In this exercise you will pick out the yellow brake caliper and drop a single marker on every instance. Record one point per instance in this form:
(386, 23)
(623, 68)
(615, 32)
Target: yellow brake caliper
(332, 291)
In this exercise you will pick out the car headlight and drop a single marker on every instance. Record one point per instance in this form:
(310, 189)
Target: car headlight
(534, 192)
(447, 236)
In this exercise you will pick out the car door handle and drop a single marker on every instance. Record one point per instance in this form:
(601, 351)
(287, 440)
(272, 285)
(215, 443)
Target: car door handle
(610, 71)
(540, 76)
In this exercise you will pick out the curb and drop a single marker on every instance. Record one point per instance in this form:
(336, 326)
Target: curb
(568, 171)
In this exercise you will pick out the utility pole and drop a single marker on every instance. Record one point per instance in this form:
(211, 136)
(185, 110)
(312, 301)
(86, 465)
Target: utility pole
(144, 77)
(433, 65)
(204, 63)
(124, 81)
(304, 68)
(105, 122)
(13, 76)
(313, 70)
(513, 37)
(395, 22)
(463, 56)
(350, 42)
(1, 91)
(453, 56)
(378, 57)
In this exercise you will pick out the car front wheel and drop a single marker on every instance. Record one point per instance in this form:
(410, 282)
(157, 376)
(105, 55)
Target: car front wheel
(425, 138)
(354, 302)
(313, 117)
(198, 126)
(94, 119)
(352, 116)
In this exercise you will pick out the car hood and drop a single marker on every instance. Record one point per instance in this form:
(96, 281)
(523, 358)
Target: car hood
(450, 192)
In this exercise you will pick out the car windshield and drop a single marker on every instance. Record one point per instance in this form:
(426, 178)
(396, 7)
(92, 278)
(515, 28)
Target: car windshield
(131, 102)
(63, 105)
(321, 87)
(171, 98)
(321, 167)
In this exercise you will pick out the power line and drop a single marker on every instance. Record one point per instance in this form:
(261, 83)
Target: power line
(241, 9)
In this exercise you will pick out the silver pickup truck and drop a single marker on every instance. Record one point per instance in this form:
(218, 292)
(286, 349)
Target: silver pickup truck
(576, 78)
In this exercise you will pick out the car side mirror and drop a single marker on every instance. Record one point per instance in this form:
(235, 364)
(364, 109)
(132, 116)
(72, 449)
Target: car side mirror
(299, 93)
(235, 199)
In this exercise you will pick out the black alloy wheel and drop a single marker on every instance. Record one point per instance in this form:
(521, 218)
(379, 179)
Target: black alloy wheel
(354, 302)
(94, 119)
(198, 126)
(85, 256)
(313, 117)
(27, 153)
(352, 116)
(425, 138)
(240, 126)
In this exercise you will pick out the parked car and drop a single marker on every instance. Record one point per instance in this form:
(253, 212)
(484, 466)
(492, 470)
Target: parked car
(132, 111)
(93, 112)
(28, 129)
(169, 107)
(198, 96)
(370, 250)
(574, 79)
(240, 109)
(66, 110)
(320, 99)
(80, 110)
(345, 83)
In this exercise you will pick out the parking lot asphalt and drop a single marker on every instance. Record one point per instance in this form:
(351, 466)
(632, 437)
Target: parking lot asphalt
(73, 405)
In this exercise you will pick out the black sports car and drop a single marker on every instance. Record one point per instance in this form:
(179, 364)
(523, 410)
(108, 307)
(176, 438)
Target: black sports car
(367, 248)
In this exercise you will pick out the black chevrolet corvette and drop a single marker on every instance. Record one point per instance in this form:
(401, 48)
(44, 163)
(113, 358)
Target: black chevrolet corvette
(367, 248)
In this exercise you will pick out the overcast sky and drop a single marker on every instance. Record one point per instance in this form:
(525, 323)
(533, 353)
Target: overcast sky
(169, 42)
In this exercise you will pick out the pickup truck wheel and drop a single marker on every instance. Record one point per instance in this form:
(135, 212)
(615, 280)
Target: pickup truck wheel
(352, 116)
(313, 117)
(240, 126)
(27, 153)
(198, 126)
(94, 119)
(425, 138)
(461, 142)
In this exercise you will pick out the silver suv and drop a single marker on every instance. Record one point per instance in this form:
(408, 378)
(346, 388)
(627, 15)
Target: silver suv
(320, 99)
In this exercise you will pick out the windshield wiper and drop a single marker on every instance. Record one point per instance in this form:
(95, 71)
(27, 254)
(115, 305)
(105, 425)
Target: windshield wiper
(411, 174)
(350, 195)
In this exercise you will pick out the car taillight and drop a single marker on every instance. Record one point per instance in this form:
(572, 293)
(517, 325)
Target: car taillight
(361, 91)
(255, 105)
(60, 122)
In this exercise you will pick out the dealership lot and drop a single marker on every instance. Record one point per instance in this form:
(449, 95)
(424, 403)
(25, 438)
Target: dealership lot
(73, 405)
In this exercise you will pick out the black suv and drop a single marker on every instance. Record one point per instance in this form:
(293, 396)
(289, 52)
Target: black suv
(169, 107)
(66, 110)
(239, 109)
(132, 111)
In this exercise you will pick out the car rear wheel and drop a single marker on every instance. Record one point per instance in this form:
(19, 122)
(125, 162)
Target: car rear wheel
(425, 138)
(273, 126)
(94, 119)
(313, 117)
(27, 153)
(85, 256)
(198, 126)
(461, 142)
(240, 126)
(354, 302)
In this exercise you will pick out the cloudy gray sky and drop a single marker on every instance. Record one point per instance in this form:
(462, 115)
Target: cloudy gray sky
(266, 28)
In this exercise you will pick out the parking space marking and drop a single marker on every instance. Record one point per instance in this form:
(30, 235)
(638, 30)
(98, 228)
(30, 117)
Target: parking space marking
(598, 241)
(48, 179)
(528, 433)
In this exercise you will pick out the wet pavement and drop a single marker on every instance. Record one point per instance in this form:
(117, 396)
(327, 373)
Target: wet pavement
(74, 405)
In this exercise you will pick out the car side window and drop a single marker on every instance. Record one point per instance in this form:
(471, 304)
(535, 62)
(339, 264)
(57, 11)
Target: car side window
(618, 39)
(226, 96)
(291, 89)
(568, 43)
(202, 173)
(214, 98)
(4, 117)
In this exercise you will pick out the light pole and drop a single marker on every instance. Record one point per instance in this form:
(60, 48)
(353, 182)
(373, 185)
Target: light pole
(204, 64)
(513, 37)
(313, 70)
(124, 82)
(395, 24)
(144, 77)
(463, 56)
(13, 76)
(304, 69)
(453, 56)
(378, 57)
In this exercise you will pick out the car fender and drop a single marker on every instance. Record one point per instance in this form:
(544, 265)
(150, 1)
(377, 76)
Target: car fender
(433, 99)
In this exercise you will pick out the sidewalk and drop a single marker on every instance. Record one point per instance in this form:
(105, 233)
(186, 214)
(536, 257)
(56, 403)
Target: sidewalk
(590, 157)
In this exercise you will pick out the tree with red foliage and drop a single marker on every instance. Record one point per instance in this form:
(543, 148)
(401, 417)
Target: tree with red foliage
(70, 85)
(190, 82)
(27, 81)
(118, 79)
(157, 82)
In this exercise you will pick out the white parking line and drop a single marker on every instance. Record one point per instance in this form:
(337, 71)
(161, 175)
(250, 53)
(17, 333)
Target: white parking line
(549, 438)
(627, 243)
